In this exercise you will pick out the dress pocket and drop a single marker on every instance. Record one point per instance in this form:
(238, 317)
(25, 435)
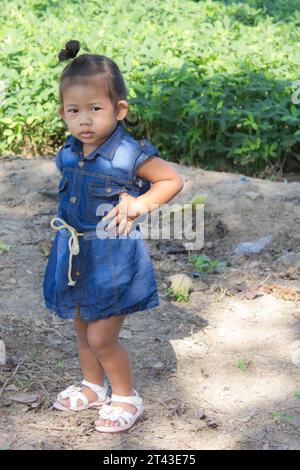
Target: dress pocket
(101, 199)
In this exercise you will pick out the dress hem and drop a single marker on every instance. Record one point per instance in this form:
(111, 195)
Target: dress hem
(126, 311)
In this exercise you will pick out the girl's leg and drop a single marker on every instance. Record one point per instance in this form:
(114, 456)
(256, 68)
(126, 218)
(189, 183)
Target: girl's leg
(103, 340)
(92, 370)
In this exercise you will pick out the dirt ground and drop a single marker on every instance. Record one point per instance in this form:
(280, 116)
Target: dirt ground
(220, 371)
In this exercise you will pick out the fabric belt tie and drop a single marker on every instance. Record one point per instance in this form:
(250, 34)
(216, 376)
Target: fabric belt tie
(73, 243)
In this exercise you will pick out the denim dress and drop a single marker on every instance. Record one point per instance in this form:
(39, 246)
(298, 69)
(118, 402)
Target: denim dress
(106, 275)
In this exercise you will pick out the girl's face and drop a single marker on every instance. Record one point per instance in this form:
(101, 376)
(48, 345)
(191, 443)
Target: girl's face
(89, 113)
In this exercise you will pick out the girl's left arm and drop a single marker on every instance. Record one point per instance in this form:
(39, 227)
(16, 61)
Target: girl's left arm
(166, 183)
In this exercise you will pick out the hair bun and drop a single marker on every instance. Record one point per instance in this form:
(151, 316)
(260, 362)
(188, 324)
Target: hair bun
(71, 49)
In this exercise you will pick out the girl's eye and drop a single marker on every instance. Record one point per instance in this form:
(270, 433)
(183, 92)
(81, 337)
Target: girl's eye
(74, 110)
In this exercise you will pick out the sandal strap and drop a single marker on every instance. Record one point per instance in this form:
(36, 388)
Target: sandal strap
(74, 394)
(125, 418)
(135, 400)
(101, 391)
(74, 400)
(72, 390)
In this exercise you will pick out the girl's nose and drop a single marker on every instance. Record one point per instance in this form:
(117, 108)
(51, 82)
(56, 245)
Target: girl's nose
(85, 119)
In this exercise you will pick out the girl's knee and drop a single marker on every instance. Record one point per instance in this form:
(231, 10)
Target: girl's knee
(100, 343)
(103, 335)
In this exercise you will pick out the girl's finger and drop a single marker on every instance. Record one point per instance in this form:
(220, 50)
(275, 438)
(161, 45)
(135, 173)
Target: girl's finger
(129, 226)
(112, 224)
(122, 226)
(111, 214)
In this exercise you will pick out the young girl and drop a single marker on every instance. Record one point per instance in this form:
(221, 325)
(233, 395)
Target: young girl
(92, 276)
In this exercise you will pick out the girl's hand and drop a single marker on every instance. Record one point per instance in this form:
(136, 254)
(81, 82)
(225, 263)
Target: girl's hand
(124, 214)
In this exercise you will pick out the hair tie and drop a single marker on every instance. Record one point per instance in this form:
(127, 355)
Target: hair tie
(71, 49)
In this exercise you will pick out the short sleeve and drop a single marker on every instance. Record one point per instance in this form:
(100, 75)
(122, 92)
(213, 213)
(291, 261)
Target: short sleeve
(58, 161)
(148, 150)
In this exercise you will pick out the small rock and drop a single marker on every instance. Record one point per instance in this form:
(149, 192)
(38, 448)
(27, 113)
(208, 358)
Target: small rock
(212, 423)
(253, 247)
(290, 259)
(5, 401)
(125, 334)
(252, 195)
(194, 274)
(200, 414)
(181, 284)
(295, 352)
(177, 409)
(158, 366)
(2, 353)
(11, 388)
(24, 397)
(251, 294)
(5, 440)
(243, 178)
(12, 361)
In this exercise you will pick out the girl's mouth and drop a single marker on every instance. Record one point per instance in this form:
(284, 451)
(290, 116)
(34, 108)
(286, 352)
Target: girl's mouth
(86, 134)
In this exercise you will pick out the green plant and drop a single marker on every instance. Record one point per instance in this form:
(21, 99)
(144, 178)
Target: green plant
(213, 88)
(179, 297)
(204, 263)
(4, 248)
(243, 364)
(61, 364)
(180, 287)
(282, 416)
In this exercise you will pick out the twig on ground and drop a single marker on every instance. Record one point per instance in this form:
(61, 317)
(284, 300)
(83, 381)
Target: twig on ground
(9, 378)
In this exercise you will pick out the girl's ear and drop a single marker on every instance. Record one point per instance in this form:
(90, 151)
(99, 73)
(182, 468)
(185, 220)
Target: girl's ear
(60, 110)
(122, 109)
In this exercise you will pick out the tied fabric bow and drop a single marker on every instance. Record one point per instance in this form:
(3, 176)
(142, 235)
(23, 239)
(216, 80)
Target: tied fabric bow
(73, 243)
(112, 413)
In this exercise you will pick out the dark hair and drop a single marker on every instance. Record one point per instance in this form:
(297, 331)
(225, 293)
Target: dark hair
(89, 65)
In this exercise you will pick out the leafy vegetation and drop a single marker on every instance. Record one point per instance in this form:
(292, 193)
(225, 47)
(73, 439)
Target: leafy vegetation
(210, 80)
(204, 263)
(243, 365)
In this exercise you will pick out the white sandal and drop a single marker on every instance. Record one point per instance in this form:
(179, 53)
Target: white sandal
(75, 394)
(117, 413)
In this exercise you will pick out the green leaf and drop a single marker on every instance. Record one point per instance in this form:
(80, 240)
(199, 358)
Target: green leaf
(8, 132)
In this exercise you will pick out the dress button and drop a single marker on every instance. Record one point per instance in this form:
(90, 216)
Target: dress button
(108, 190)
(81, 163)
(73, 199)
(77, 272)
